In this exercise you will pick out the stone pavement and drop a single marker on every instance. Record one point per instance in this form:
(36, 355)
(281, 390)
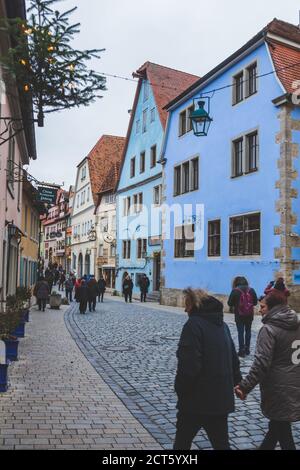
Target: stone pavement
(133, 346)
(57, 400)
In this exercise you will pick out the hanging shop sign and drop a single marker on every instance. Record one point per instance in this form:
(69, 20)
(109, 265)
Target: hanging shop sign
(47, 195)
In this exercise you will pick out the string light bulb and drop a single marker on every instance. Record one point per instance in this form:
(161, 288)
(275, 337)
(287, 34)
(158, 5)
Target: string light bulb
(26, 88)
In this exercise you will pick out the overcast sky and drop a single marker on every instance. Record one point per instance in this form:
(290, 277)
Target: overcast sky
(189, 35)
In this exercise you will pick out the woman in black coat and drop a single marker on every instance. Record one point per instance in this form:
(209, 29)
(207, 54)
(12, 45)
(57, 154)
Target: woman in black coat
(208, 370)
(82, 297)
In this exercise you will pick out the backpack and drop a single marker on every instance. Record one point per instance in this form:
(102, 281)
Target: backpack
(245, 307)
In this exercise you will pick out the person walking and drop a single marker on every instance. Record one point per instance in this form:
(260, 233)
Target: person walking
(276, 371)
(77, 286)
(101, 288)
(62, 280)
(127, 288)
(207, 371)
(69, 288)
(144, 286)
(50, 279)
(92, 287)
(83, 297)
(278, 287)
(242, 301)
(41, 292)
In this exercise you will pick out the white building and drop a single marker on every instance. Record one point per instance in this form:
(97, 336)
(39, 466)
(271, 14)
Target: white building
(83, 223)
(94, 210)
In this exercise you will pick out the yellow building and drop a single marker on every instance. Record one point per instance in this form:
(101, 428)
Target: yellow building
(29, 248)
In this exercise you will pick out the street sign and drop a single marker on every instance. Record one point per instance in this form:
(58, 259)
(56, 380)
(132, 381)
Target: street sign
(47, 195)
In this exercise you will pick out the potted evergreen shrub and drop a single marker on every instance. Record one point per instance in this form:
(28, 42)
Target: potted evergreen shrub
(55, 300)
(8, 323)
(23, 295)
(14, 307)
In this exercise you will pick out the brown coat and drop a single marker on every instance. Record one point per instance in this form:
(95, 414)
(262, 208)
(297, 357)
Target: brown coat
(274, 368)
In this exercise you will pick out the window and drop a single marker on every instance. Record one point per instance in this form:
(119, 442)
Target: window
(157, 195)
(113, 223)
(100, 250)
(237, 158)
(152, 115)
(214, 238)
(137, 126)
(83, 173)
(104, 224)
(112, 250)
(126, 205)
(132, 167)
(110, 198)
(145, 120)
(141, 247)
(135, 203)
(153, 156)
(194, 174)
(177, 180)
(251, 80)
(77, 200)
(142, 162)
(184, 241)
(245, 235)
(126, 249)
(140, 202)
(182, 123)
(238, 88)
(88, 194)
(186, 177)
(146, 90)
(245, 154)
(251, 152)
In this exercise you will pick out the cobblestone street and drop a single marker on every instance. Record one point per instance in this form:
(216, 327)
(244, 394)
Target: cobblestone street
(133, 348)
(57, 400)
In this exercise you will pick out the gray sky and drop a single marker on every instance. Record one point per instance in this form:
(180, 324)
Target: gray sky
(190, 35)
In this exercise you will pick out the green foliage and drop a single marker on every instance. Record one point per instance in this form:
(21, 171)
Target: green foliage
(23, 294)
(47, 68)
(10, 319)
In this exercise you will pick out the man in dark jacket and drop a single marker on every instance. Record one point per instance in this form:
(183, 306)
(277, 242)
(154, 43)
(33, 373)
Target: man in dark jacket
(101, 288)
(41, 292)
(144, 286)
(242, 294)
(82, 296)
(92, 287)
(127, 288)
(208, 370)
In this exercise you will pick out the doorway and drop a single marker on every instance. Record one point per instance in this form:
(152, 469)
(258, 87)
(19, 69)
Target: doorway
(156, 272)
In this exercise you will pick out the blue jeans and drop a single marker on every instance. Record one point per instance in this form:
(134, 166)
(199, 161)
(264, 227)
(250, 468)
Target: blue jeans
(244, 332)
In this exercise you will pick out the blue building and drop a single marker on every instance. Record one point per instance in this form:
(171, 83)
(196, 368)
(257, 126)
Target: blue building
(240, 183)
(139, 187)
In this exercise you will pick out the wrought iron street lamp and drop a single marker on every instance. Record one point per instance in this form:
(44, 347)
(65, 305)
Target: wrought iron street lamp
(200, 117)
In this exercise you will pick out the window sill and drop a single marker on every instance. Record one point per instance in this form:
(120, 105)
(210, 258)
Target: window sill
(189, 258)
(214, 258)
(245, 257)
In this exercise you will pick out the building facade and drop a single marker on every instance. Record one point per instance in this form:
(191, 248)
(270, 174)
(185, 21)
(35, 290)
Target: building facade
(55, 228)
(139, 187)
(15, 151)
(83, 224)
(244, 175)
(104, 171)
(32, 210)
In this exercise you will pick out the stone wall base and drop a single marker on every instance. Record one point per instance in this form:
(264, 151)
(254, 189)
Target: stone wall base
(294, 299)
(175, 298)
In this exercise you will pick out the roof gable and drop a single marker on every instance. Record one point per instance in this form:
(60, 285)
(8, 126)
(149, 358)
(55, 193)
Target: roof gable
(104, 164)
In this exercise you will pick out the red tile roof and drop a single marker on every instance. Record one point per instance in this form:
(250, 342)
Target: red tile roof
(104, 164)
(285, 30)
(166, 84)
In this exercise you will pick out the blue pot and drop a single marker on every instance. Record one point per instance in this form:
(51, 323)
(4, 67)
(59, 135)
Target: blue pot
(3, 377)
(11, 349)
(26, 315)
(20, 330)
